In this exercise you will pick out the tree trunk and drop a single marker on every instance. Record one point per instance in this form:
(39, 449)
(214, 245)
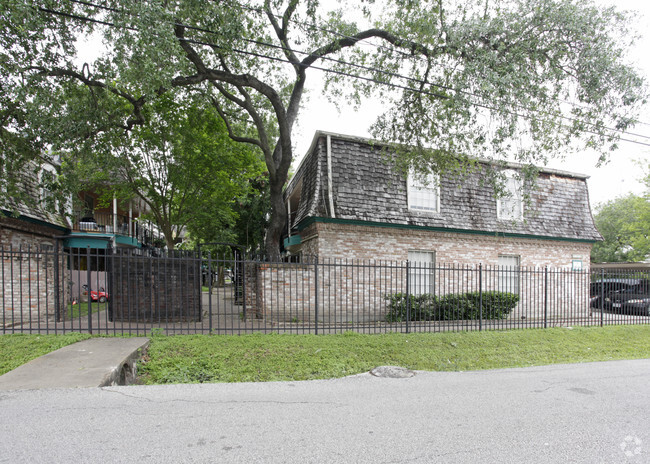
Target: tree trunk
(168, 233)
(277, 222)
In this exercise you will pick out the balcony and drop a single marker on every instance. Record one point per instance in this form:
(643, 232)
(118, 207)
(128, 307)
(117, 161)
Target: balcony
(119, 225)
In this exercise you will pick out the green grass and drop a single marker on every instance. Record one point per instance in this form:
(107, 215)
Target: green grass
(74, 311)
(19, 349)
(259, 358)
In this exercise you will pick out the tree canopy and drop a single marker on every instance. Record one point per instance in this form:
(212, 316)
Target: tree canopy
(526, 79)
(624, 224)
(182, 165)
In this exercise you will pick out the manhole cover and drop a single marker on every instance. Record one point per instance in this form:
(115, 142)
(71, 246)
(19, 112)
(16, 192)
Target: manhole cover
(392, 372)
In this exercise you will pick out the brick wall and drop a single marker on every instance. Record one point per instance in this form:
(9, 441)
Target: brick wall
(359, 265)
(27, 269)
(393, 244)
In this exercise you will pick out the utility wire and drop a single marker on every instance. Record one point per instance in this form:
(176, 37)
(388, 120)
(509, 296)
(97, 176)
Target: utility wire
(368, 68)
(379, 46)
(358, 66)
(328, 70)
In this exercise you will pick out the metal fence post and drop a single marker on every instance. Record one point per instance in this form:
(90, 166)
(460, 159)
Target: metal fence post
(480, 296)
(89, 286)
(209, 286)
(243, 284)
(316, 294)
(57, 285)
(408, 296)
(602, 295)
(545, 297)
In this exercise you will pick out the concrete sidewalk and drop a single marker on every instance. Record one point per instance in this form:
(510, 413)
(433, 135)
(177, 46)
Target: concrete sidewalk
(97, 362)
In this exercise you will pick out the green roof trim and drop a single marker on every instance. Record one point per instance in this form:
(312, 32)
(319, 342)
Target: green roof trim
(32, 220)
(98, 241)
(356, 222)
(85, 242)
(124, 240)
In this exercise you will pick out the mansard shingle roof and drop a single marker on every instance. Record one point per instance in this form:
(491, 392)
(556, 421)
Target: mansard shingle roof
(30, 205)
(366, 188)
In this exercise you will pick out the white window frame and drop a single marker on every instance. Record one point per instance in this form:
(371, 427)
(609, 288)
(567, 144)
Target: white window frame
(511, 206)
(423, 192)
(509, 272)
(422, 265)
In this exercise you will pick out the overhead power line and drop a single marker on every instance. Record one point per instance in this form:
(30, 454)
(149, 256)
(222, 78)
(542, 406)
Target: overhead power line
(329, 70)
(420, 82)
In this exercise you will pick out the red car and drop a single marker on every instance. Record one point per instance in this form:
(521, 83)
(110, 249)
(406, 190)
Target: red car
(95, 295)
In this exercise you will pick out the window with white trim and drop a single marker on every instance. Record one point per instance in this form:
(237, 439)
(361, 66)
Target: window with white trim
(423, 192)
(511, 206)
(509, 273)
(47, 179)
(421, 272)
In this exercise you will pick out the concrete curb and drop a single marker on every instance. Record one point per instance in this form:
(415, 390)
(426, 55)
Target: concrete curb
(97, 362)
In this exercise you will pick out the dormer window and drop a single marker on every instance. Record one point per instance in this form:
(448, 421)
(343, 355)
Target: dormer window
(423, 192)
(511, 206)
(47, 179)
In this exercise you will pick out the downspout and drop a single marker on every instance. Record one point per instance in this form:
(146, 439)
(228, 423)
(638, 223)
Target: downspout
(289, 216)
(114, 220)
(330, 193)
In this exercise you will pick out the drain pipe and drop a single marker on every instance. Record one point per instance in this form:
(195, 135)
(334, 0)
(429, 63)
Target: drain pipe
(330, 193)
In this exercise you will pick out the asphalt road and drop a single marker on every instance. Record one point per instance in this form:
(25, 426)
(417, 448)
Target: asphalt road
(583, 413)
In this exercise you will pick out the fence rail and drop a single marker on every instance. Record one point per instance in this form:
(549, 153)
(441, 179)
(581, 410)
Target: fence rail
(120, 291)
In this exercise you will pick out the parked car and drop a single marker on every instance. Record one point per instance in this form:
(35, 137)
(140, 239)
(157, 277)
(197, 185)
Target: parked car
(625, 296)
(95, 295)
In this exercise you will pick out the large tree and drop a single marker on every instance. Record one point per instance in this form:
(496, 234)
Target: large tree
(492, 78)
(181, 164)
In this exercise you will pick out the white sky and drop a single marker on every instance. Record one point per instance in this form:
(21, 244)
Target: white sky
(618, 177)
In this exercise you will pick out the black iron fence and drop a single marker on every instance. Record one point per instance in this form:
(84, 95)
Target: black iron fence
(126, 291)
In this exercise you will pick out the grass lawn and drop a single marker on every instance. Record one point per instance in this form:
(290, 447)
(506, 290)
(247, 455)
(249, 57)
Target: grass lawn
(76, 310)
(18, 349)
(259, 358)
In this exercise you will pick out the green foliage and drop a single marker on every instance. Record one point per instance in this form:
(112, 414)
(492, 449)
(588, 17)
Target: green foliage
(182, 164)
(450, 307)
(624, 224)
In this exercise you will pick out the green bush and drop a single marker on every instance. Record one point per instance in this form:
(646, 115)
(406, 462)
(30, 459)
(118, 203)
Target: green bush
(451, 307)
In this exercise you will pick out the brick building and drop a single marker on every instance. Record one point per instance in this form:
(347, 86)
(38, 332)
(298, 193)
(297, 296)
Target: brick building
(28, 265)
(42, 243)
(348, 202)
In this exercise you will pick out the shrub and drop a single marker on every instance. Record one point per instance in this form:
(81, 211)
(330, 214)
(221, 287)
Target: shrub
(496, 305)
(450, 307)
(422, 307)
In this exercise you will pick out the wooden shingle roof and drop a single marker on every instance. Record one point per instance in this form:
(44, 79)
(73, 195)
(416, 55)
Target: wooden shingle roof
(367, 188)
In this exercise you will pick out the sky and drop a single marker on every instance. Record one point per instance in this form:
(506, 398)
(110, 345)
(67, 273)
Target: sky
(619, 177)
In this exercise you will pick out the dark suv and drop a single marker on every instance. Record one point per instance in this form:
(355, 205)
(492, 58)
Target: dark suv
(626, 296)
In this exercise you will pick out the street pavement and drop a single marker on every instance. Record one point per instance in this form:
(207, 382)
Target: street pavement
(582, 413)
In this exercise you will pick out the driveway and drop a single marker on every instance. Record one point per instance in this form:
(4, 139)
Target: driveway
(582, 413)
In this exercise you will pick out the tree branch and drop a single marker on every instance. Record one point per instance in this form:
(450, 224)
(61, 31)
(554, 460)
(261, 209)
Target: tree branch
(136, 103)
(281, 31)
